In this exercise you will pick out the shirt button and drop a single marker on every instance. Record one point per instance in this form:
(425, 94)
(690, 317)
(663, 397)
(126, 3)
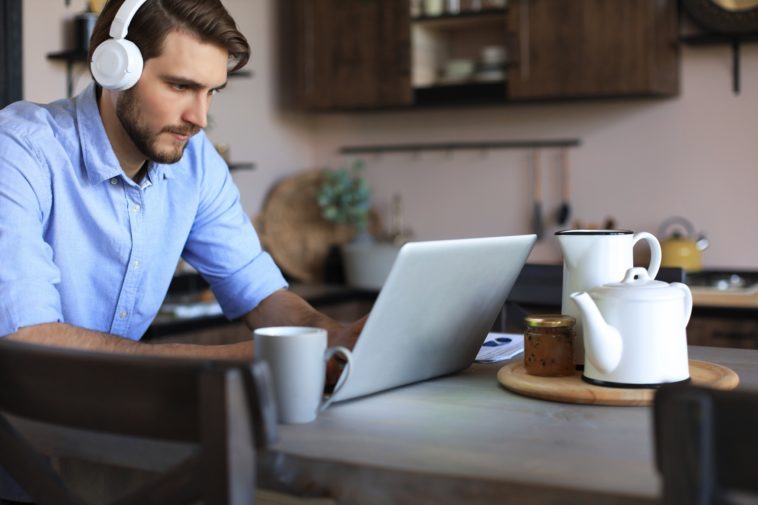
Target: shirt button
(136, 207)
(114, 181)
(122, 314)
(135, 263)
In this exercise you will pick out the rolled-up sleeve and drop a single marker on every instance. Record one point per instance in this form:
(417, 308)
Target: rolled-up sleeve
(28, 274)
(224, 247)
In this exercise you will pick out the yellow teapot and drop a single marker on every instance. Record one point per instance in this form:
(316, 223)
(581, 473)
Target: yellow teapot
(679, 245)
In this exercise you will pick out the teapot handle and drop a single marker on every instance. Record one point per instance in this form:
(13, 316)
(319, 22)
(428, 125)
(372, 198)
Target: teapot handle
(687, 300)
(655, 251)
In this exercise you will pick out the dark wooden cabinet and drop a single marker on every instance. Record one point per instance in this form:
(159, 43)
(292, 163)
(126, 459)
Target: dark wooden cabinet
(10, 52)
(352, 53)
(593, 48)
(723, 327)
(359, 54)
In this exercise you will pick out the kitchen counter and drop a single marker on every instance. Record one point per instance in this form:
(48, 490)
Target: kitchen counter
(724, 288)
(723, 315)
(709, 297)
(340, 302)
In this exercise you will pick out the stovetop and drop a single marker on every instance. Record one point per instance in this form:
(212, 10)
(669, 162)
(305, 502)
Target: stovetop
(723, 280)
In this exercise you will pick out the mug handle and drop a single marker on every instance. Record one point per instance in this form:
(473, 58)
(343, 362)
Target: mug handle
(343, 376)
(655, 251)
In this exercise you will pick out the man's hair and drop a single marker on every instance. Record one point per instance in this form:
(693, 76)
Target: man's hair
(206, 19)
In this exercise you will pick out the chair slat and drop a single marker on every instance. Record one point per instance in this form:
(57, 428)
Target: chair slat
(213, 405)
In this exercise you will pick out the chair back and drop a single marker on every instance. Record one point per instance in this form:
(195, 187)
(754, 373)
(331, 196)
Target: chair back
(227, 410)
(706, 445)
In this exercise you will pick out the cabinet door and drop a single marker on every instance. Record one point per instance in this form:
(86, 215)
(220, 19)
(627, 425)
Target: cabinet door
(352, 53)
(583, 48)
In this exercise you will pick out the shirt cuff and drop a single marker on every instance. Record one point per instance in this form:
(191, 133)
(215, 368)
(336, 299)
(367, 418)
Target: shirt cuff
(243, 291)
(28, 303)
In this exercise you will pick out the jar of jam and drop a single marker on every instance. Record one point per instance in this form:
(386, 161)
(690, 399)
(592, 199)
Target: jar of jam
(549, 345)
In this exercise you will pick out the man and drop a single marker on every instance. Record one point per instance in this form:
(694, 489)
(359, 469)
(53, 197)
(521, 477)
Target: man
(102, 194)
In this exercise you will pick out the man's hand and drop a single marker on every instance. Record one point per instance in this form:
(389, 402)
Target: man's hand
(346, 336)
(284, 308)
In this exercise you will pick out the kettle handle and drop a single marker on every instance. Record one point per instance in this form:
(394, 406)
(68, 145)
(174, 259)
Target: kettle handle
(655, 251)
(674, 222)
(687, 300)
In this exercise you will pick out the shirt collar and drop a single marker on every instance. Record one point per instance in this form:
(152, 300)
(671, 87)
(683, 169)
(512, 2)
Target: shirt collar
(100, 162)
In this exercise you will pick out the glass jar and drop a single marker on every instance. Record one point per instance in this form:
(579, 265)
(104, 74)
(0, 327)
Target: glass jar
(549, 345)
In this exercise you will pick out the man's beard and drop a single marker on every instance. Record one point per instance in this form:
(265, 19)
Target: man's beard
(146, 140)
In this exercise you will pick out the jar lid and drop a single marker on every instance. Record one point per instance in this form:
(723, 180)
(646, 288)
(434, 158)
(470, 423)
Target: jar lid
(549, 321)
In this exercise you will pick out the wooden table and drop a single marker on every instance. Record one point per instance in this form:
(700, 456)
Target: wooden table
(465, 439)
(456, 439)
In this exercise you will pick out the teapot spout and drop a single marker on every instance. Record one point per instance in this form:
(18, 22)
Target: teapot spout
(602, 342)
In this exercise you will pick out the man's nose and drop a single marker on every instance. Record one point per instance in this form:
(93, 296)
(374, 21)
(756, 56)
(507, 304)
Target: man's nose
(197, 112)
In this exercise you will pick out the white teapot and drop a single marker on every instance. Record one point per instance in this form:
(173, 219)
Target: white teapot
(635, 331)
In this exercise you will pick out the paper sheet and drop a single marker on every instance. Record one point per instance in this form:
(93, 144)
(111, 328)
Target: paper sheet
(500, 347)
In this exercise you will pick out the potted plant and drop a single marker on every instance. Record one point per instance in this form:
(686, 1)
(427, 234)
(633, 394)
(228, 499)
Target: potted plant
(345, 198)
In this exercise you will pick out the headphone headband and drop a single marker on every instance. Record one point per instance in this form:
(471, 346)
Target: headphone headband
(120, 25)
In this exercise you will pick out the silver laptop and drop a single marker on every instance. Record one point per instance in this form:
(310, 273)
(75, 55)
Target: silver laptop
(435, 309)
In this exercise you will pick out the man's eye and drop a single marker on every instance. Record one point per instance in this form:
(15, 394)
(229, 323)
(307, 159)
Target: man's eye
(214, 92)
(179, 87)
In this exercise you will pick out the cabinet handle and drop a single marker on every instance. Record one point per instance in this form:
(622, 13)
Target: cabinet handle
(524, 39)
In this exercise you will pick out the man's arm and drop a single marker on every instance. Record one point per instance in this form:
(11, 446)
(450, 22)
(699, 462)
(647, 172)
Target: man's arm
(282, 308)
(285, 308)
(73, 337)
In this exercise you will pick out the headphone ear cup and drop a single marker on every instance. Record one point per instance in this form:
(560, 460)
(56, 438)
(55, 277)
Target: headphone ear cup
(116, 64)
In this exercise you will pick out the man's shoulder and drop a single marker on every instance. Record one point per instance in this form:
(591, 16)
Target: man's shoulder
(36, 122)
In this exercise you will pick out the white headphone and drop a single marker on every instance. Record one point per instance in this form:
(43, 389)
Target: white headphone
(117, 62)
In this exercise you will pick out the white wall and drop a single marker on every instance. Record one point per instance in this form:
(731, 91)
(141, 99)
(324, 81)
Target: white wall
(640, 160)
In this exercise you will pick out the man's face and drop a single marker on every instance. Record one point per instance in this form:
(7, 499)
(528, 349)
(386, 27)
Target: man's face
(170, 102)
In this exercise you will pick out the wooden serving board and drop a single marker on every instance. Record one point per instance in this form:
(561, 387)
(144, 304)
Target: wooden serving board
(572, 389)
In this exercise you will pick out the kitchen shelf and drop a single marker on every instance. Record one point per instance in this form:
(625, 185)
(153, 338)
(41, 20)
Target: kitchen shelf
(452, 146)
(242, 166)
(464, 20)
(73, 56)
(466, 93)
(69, 57)
(709, 39)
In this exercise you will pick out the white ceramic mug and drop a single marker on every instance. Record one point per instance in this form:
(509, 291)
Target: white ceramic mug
(297, 357)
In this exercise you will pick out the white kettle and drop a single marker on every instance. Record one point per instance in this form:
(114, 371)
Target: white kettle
(635, 331)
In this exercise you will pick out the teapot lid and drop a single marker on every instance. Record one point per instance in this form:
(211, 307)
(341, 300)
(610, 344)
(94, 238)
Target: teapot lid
(637, 285)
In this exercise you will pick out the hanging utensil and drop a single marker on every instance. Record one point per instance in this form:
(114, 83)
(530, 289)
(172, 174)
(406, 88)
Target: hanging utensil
(564, 211)
(537, 224)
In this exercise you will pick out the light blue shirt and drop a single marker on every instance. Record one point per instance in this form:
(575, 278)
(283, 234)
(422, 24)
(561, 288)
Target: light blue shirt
(83, 244)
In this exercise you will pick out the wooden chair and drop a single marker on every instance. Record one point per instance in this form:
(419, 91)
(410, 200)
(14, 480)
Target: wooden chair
(226, 410)
(706, 445)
